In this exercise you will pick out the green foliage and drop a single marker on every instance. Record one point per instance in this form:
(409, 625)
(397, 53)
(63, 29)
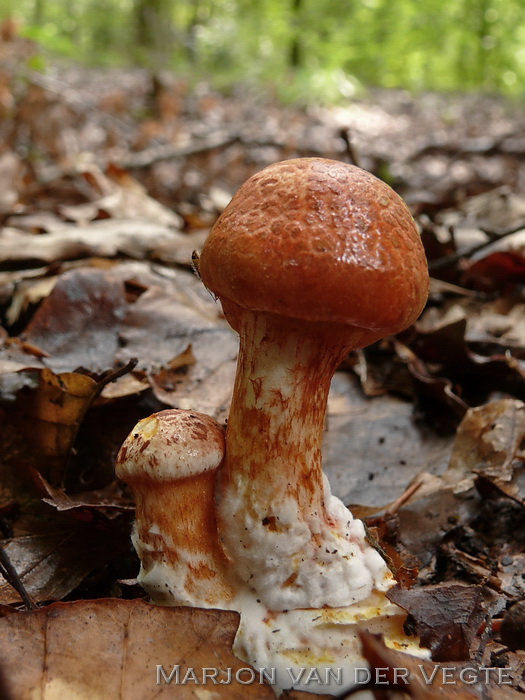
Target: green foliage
(304, 49)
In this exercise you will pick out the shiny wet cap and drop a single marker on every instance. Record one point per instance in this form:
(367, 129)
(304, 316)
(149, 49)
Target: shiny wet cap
(319, 240)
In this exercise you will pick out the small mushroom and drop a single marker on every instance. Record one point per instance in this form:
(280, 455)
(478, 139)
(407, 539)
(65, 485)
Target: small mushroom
(311, 259)
(170, 461)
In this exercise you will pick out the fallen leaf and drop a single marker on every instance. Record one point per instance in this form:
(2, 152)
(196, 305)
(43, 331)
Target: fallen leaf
(497, 271)
(54, 559)
(125, 642)
(427, 681)
(121, 196)
(79, 322)
(11, 168)
(385, 531)
(109, 500)
(50, 415)
(373, 447)
(445, 617)
(160, 326)
(106, 238)
(427, 518)
(495, 210)
(28, 292)
(444, 349)
(489, 442)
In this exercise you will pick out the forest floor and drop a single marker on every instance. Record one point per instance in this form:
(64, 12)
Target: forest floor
(109, 179)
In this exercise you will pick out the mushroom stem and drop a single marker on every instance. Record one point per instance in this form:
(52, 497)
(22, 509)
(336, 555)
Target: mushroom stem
(170, 460)
(273, 499)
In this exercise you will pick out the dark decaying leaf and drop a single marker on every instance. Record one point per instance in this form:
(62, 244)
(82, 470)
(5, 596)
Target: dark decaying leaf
(426, 520)
(445, 617)
(496, 271)
(513, 626)
(445, 350)
(109, 500)
(56, 555)
(110, 648)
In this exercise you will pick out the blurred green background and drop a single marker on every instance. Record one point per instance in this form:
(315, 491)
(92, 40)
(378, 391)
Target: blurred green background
(299, 49)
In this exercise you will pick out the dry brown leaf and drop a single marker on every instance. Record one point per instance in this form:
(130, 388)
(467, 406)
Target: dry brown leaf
(110, 649)
(488, 442)
(10, 180)
(160, 326)
(50, 416)
(108, 500)
(78, 323)
(28, 292)
(130, 384)
(427, 681)
(118, 195)
(106, 238)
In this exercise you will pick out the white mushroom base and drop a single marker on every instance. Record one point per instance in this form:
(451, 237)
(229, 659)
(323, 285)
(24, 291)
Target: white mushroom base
(307, 562)
(318, 650)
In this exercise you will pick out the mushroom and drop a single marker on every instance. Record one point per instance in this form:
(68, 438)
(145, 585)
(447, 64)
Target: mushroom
(311, 259)
(170, 460)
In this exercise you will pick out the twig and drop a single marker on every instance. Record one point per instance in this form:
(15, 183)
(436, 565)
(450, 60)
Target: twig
(464, 252)
(10, 574)
(408, 493)
(345, 135)
(158, 154)
(116, 374)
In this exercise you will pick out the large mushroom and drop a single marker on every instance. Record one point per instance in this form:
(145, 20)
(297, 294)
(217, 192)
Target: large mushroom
(311, 259)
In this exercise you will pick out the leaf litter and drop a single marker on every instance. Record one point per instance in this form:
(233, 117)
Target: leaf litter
(103, 323)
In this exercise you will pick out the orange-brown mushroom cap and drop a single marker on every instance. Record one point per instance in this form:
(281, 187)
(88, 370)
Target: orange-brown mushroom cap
(319, 240)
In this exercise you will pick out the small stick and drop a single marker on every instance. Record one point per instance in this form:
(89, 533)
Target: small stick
(408, 493)
(466, 252)
(10, 574)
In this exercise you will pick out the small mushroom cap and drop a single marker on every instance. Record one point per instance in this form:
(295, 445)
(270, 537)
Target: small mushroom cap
(319, 240)
(171, 445)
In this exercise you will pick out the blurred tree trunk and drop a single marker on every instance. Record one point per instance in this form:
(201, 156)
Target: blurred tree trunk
(154, 28)
(38, 12)
(296, 53)
(191, 31)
